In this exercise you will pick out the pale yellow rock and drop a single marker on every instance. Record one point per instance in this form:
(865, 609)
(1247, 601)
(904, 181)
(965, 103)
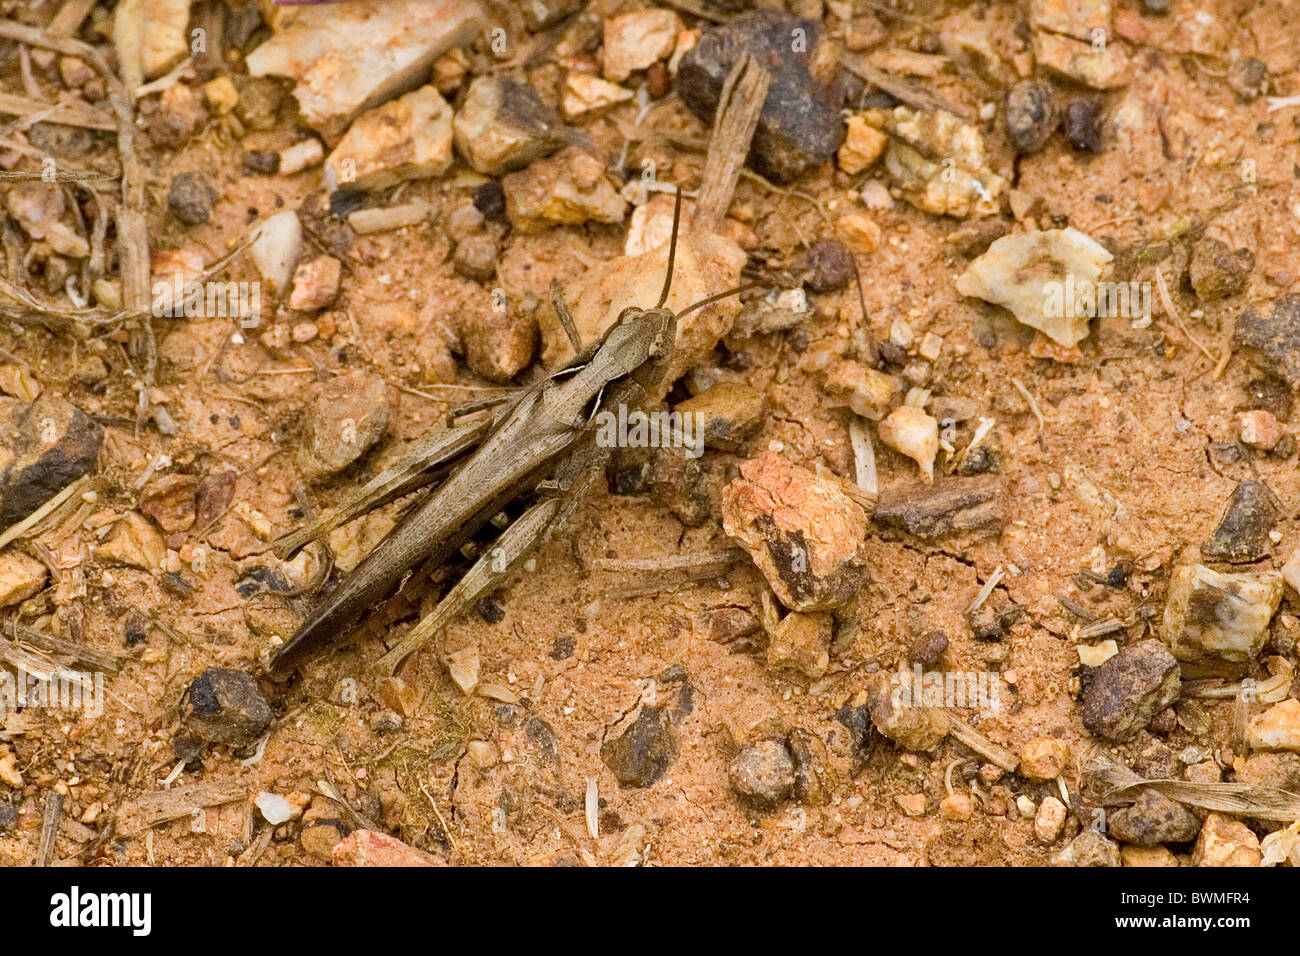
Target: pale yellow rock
(1277, 728)
(1094, 655)
(938, 162)
(570, 188)
(869, 392)
(315, 283)
(1291, 570)
(1044, 758)
(651, 224)
(859, 231)
(303, 154)
(1049, 819)
(135, 543)
(1226, 842)
(9, 772)
(277, 244)
(1147, 856)
(958, 805)
(584, 93)
(155, 31)
(912, 804)
(407, 138)
(1219, 619)
(1089, 848)
(1104, 69)
(21, 576)
(401, 695)
(352, 542)
(801, 642)
(894, 701)
(221, 94)
(635, 40)
(912, 432)
(463, 666)
(482, 754)
(1044, 278)
(706, 264)
(1076, 18)
(863, 145)
(347, 58)
(502, 125)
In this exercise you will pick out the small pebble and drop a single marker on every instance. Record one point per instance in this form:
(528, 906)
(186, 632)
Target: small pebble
(642, 754)
(191, 198)
(1049, 820)
(1029, 115)
(763, 773)
(490, 201)
(274, 808)
(827, 266)
(226, 706)
(1083, 125)
(1044, 758)
(928, 648)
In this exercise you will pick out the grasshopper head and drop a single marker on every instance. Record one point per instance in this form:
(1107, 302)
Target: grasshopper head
(648, 340)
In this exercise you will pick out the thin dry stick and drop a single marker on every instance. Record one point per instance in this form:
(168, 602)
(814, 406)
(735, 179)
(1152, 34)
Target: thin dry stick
(908, 93)
(57, 645)
(39, 668)
(49, 827)
(1167, 301)
(707, 563)
(20, 529)
(977, 742)
(1031, 402)
(1116, 784)
(743, 96)
(163, 806)
(71, 113)
(70, 17)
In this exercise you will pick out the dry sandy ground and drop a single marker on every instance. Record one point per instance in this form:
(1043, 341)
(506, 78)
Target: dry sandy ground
(1128, 462)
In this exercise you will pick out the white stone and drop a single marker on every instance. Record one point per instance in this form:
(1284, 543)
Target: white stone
(350, 57)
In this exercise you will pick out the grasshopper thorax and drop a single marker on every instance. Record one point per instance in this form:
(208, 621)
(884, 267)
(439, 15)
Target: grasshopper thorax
(642, 342)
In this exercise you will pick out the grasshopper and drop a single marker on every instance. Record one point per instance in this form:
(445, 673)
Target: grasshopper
(543, 430)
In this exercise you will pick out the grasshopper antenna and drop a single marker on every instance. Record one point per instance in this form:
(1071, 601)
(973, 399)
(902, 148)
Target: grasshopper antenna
(721, 295)
(672, 249)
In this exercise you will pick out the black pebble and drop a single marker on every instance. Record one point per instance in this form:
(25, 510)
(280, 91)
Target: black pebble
(1083, 125)
(489, 610)
(490, 200)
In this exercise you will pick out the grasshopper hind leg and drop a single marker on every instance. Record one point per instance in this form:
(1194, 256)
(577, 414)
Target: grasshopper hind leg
(410, 472)
(574, 479)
